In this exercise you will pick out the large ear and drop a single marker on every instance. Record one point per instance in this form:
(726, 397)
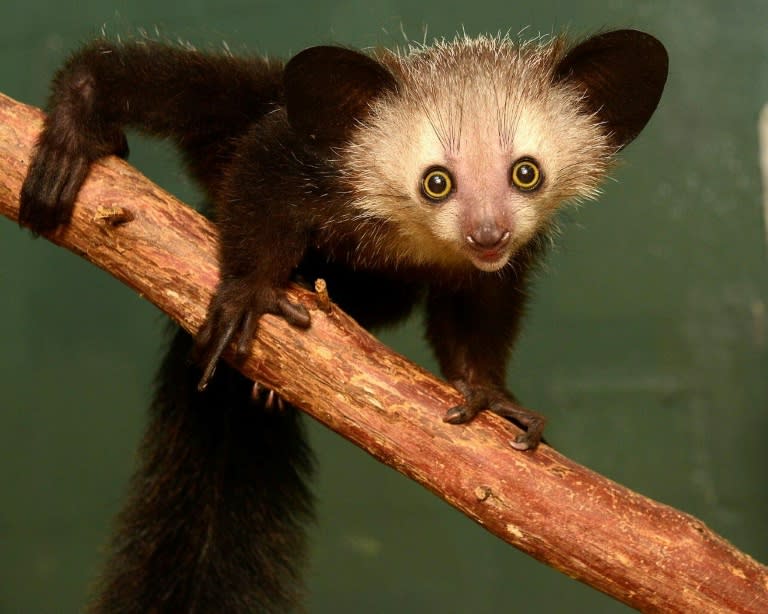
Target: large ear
(623, 74)
(328, 88)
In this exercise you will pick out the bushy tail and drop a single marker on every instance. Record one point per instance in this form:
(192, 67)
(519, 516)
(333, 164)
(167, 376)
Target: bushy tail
(215, 517)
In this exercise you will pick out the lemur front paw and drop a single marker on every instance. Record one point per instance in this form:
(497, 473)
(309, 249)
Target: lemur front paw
(58, 169)
(479, 397)
(234, 314)
(52, 183)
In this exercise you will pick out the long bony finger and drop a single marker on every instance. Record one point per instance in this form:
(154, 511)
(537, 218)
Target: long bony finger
(211, 355)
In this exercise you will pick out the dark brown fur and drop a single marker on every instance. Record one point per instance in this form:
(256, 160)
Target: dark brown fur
(214, 520)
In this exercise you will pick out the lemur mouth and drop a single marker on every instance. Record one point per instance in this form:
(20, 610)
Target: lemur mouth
(490, 260)
(490, 257)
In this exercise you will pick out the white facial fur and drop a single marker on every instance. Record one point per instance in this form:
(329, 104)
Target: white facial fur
(474, 107)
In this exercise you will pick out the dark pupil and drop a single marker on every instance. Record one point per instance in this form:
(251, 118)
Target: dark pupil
(525, 173)
(437, 184)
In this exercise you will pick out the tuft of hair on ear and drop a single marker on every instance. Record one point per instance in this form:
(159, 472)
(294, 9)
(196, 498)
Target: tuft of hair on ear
(328, 89)
(622, 74)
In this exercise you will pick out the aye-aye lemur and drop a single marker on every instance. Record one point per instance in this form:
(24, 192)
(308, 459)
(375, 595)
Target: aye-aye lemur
(433, 173)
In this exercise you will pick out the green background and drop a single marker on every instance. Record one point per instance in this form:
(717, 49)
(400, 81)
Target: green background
(645, 344)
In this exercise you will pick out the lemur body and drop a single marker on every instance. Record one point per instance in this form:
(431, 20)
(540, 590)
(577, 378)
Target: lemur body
(435, 173)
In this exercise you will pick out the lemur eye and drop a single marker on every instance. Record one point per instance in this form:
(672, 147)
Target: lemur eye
(437, 184)
(526, 175)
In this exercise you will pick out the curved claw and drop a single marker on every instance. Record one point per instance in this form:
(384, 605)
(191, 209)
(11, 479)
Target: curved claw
(293, 313)
(462, 413)
(210, 357)
(488, 398)
(234, 314)
(247, 330)
(527, 440)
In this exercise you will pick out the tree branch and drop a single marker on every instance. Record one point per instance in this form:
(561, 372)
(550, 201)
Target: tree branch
(648, 555)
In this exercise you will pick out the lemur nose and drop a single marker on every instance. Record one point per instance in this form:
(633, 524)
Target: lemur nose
(488, 236)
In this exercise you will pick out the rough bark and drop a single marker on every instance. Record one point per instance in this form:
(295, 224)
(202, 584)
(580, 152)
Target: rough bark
(646, 554)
